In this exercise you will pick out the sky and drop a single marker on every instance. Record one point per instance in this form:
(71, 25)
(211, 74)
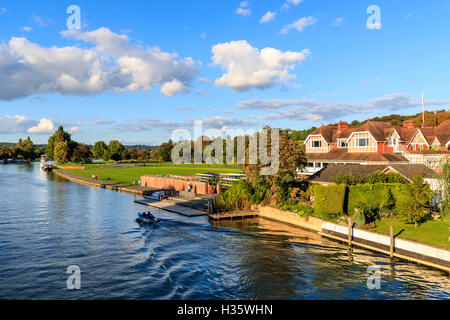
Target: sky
(138, 70)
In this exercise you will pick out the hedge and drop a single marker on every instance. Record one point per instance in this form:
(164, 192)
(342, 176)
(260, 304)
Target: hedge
(330, 200)
(340, 199)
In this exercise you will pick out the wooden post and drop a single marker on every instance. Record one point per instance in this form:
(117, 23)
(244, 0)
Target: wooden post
(391, 231)
(350, 231)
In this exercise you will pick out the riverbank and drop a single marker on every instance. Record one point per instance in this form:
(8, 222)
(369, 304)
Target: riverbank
(414, 251)
(110, 185)
(126, 174)
(423, 253)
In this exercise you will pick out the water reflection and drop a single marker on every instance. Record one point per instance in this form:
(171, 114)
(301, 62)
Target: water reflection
(47, 224)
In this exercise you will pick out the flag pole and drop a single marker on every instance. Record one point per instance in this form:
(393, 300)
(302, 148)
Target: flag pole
(423, 109)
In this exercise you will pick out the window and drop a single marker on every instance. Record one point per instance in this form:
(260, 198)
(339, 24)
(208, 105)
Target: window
(342, 143)
(317, 144)
(362, 142)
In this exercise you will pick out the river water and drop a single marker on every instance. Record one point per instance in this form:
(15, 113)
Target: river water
(48, 224)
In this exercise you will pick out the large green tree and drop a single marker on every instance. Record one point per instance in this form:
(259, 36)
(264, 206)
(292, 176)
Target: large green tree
(59, 136)
(61, 152)
(25, 149)
(115, 149)
(444, 178)
(99, 150)
(6, 153)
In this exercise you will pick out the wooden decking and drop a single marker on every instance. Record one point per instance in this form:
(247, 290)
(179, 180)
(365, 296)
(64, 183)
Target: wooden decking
(240, 215)
(173, 206)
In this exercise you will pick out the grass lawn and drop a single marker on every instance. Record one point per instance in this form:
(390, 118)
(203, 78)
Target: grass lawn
(124, 175)
(432, 232)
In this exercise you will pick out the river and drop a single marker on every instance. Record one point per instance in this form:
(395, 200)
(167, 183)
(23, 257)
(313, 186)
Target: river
(48, 224)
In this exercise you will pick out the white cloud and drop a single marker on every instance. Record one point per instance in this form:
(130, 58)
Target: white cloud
(243, 12)
(113, 63)
(243, 9)
(247, 67)
(74, 130)
(338, 22)
(299, 25)
(288, 3)
(3, 11)
(269, 16)
(173, 87)
(44, 126)
(15, 124)
(26, 29)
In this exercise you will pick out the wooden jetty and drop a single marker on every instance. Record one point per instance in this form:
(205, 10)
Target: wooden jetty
(240, 215)
(173, 206)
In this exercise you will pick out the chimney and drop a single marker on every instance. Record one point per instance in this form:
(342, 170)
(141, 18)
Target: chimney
(410, 124)
(342, 125)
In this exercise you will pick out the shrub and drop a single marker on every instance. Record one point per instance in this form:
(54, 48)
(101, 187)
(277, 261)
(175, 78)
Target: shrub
(330, 200)
(237, 197)
(418, 194)
(301, 209)
(367, 211)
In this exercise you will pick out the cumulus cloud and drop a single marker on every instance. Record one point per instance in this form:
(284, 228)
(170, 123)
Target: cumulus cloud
(299, 25)
(269, 16)
(113, 63)
(173, 87)
(247, 67)
(44, 126)
(307, 109)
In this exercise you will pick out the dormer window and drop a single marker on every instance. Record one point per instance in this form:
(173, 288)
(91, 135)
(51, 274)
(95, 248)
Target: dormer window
(317, 144)
(342, 143)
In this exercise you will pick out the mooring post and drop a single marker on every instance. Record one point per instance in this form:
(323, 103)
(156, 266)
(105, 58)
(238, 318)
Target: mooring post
(350, 231)
(391, 231)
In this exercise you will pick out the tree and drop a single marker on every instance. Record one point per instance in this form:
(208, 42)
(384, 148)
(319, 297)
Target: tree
(291, 158)
(82, 153)
(418, 194)
(61, 152)
(126, 155)
(115, 150)
(141, 155)
(164, 152)
(25, 149)
(6, 153)
(59, 136)
(99, 150)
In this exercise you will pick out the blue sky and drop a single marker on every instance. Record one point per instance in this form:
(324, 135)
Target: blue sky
(136, 70)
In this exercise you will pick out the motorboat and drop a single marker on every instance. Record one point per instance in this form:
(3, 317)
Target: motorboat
(146, 218)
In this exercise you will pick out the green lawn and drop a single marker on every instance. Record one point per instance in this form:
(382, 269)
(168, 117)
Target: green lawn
(433, 232)
(124, 175)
